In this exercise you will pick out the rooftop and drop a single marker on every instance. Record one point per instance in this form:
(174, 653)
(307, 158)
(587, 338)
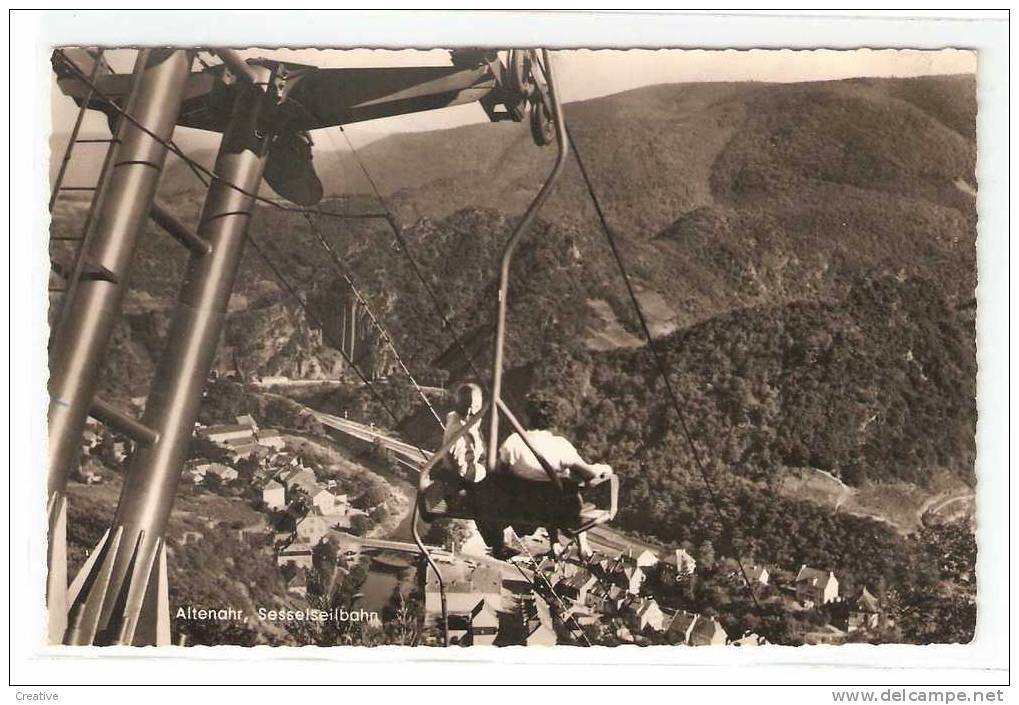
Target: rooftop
(813, 575)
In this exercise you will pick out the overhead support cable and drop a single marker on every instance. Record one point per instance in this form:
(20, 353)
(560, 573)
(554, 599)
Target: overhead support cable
(309, 313)
(660, 364)
(341, 270)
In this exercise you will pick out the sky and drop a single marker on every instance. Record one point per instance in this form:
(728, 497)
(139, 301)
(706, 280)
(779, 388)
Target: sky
(585, 73)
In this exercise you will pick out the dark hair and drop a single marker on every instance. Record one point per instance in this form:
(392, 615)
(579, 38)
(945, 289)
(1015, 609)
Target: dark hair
(538, 416)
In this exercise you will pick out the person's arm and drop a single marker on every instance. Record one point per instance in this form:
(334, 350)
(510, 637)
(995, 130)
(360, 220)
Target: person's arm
(448, 429)
(588, 472)
(464, 456)
(579, 468)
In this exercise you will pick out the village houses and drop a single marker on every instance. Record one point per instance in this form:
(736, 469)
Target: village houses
(708, 632)
(679, 627)
(628, 575)
(576, 586)
(864, 611)
(645, 614)
(297, 554)
(466, 586)
(816, 587)
(646, 560)
(680, 564)
(313, 527)
(274, 495)
(758, 575)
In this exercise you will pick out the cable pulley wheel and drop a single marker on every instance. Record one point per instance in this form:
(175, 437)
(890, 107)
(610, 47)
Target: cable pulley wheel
(542, 124)
(521, 77)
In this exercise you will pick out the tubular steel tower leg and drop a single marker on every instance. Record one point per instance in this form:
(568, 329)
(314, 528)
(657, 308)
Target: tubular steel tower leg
(123, 596)
(86, 320)
(83, 332)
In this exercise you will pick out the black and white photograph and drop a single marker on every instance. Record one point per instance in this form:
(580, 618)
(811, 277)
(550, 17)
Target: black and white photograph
(446, 347)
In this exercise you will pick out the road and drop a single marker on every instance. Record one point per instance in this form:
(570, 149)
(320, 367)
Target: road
(406, 451)
(936, 506)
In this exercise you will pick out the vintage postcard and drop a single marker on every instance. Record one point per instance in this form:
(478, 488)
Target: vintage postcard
(512, 347)
(466, 347)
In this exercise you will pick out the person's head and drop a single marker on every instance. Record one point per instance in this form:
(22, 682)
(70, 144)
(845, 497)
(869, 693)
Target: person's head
(537, 415)
(468, 399)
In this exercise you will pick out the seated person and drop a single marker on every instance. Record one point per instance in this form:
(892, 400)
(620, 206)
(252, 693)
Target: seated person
(465, 460)
(516, 460)
(464, 468)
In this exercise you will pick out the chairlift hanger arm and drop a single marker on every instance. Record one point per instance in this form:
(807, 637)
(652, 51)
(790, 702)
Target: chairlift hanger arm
(563, 142)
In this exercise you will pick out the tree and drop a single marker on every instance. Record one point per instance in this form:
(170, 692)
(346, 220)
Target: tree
(202, 447)
(359, 524)
(213, 482)
(376, 494)
(447, 532)
(246, 469)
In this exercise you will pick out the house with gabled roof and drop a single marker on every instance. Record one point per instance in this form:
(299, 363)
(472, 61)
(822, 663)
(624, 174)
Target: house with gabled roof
(223, 433)
(864, 611)
(615, 598)
(645, 614)
(599, 563)
(314, 526)
(576, 586)
(238, 450)
(326, 501)
(758, 575)
(816, 587)
(628, 575)
(465, 584)
(707, 631)
(679, 564)
(274, 495)
(300, 479)
(484, 624)
(680, 627)
(646, 560)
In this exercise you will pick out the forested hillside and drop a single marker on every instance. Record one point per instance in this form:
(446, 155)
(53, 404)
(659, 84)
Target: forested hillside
(806, 254)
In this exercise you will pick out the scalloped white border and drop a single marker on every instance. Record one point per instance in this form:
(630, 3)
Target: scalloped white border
(33, 33)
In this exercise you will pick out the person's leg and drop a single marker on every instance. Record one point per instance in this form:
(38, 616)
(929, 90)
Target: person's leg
(555, 547)
(583, 545)
(494, 536)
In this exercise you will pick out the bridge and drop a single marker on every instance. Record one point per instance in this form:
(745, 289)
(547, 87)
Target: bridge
(404, 451)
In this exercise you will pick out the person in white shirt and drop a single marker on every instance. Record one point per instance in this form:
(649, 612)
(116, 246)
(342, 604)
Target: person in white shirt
(517, 459)
(464, 467)
(466, 458)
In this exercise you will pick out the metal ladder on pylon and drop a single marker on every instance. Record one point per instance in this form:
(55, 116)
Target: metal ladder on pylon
(66, 273)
